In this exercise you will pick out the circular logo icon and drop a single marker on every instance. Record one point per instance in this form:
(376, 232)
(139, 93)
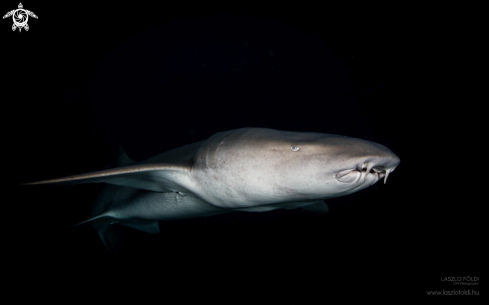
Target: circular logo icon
(20, 17)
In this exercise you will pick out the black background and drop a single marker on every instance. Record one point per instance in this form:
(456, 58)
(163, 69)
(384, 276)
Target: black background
(154, 76)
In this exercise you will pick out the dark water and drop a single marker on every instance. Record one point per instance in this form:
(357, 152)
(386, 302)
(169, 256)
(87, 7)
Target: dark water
(82, 83)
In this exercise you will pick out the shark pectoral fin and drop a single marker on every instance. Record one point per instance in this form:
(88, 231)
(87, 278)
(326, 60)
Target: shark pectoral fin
(150, 226)
(157, 177)
(99, 220)
(318, 207)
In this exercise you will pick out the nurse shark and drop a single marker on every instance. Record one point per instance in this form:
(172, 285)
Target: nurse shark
(247, 169)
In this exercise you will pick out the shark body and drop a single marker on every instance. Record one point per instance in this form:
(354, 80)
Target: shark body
(248, 169)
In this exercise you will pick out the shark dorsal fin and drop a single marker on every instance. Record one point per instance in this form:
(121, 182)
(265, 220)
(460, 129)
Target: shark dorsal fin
(124, 159)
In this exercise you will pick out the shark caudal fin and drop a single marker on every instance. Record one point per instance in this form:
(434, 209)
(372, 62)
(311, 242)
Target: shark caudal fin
(166, 172)
(156, 177)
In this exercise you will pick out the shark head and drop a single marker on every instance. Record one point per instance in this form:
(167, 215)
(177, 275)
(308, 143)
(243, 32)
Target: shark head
(326, 166)
(268, 167)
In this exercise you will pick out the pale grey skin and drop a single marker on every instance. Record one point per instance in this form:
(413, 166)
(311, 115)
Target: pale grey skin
(248, 169)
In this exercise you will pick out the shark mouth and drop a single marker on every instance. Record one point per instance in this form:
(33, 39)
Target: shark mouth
(360, 173)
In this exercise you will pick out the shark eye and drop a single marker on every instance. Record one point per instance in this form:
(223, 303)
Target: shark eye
(295, 148)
